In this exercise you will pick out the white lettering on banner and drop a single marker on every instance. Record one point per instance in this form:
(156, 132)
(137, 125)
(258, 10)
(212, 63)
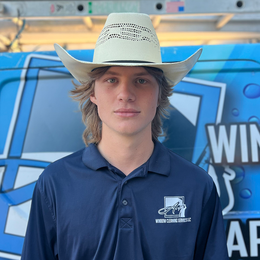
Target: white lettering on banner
(223, 142)
(255, 142)
(235, 232)
(254, 239)
(242, 143)
(243, 240)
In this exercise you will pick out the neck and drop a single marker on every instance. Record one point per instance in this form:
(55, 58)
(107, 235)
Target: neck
(125, 152)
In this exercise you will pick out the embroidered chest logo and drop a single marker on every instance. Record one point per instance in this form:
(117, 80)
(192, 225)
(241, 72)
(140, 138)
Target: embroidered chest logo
(173, 211)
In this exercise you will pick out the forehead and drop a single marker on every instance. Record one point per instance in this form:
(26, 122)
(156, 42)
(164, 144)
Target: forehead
(127, 70)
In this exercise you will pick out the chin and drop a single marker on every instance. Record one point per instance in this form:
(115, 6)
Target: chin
(134, 132)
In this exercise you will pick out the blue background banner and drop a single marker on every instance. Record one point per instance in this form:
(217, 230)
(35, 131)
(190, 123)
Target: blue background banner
(214, 122)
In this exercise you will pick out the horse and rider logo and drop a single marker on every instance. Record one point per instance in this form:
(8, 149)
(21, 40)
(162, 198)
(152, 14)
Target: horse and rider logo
(173, 210)
(174, 207)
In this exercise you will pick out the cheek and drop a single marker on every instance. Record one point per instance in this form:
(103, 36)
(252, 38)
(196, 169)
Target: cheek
(103, 107)
(154, 100)
(151, 103)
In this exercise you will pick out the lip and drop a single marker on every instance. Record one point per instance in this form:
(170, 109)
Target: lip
(126, 112)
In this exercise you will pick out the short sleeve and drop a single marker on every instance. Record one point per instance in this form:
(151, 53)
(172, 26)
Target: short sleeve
(211, 239)
(40, 239)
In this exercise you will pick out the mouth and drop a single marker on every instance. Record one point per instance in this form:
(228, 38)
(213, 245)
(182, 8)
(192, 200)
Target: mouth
(127, 112)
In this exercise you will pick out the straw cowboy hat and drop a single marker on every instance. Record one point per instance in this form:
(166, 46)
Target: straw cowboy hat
(127, 39)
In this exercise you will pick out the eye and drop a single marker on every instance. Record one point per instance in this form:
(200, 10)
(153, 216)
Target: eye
(141, 81)
(111, 80)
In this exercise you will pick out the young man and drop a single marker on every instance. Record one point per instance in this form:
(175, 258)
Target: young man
(125, 196)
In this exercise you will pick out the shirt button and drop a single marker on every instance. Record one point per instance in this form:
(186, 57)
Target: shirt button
(125, 183)
(125, 202)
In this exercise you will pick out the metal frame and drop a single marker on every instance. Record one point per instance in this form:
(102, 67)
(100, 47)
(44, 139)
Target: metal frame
(77, 24)
(153, 7)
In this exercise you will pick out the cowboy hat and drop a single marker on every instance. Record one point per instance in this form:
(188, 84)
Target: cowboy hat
(127, 39)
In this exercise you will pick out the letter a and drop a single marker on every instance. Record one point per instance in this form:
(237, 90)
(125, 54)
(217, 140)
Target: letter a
(235, 232)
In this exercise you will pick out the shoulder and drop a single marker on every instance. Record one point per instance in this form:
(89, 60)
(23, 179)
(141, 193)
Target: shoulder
(57, 171)
(176, 166)
(191, 177)
(187, 168)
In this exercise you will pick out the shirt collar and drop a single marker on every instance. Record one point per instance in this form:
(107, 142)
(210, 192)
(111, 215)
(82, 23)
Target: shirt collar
(93, 159)
(159, 162)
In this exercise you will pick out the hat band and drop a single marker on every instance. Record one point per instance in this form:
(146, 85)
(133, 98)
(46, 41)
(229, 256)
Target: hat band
(128, 61)
(133, 61)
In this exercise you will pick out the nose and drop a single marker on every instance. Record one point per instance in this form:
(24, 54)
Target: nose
(126, 91)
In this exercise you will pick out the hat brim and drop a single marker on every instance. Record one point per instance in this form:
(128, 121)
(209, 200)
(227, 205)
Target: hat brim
(174, 72)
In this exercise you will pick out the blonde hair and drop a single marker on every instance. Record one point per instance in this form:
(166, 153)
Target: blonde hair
(90, 117)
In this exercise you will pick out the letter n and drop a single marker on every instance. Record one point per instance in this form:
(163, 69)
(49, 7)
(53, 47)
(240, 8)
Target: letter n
(255, 142)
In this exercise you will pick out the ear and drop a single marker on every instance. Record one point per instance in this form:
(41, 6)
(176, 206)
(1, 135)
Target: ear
(93, 99)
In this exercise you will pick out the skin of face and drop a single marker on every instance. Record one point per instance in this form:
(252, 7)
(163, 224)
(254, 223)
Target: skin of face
(126, 98)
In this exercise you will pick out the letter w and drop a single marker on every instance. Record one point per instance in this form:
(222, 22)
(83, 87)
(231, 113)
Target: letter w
(222, 143)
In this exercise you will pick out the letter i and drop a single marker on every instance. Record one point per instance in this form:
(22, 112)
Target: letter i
(243, 143)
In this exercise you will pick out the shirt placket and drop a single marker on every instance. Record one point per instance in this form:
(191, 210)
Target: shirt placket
(125, 207)
(127, 240)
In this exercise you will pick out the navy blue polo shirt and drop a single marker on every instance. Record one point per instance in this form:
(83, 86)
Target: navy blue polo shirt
(83, 208)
